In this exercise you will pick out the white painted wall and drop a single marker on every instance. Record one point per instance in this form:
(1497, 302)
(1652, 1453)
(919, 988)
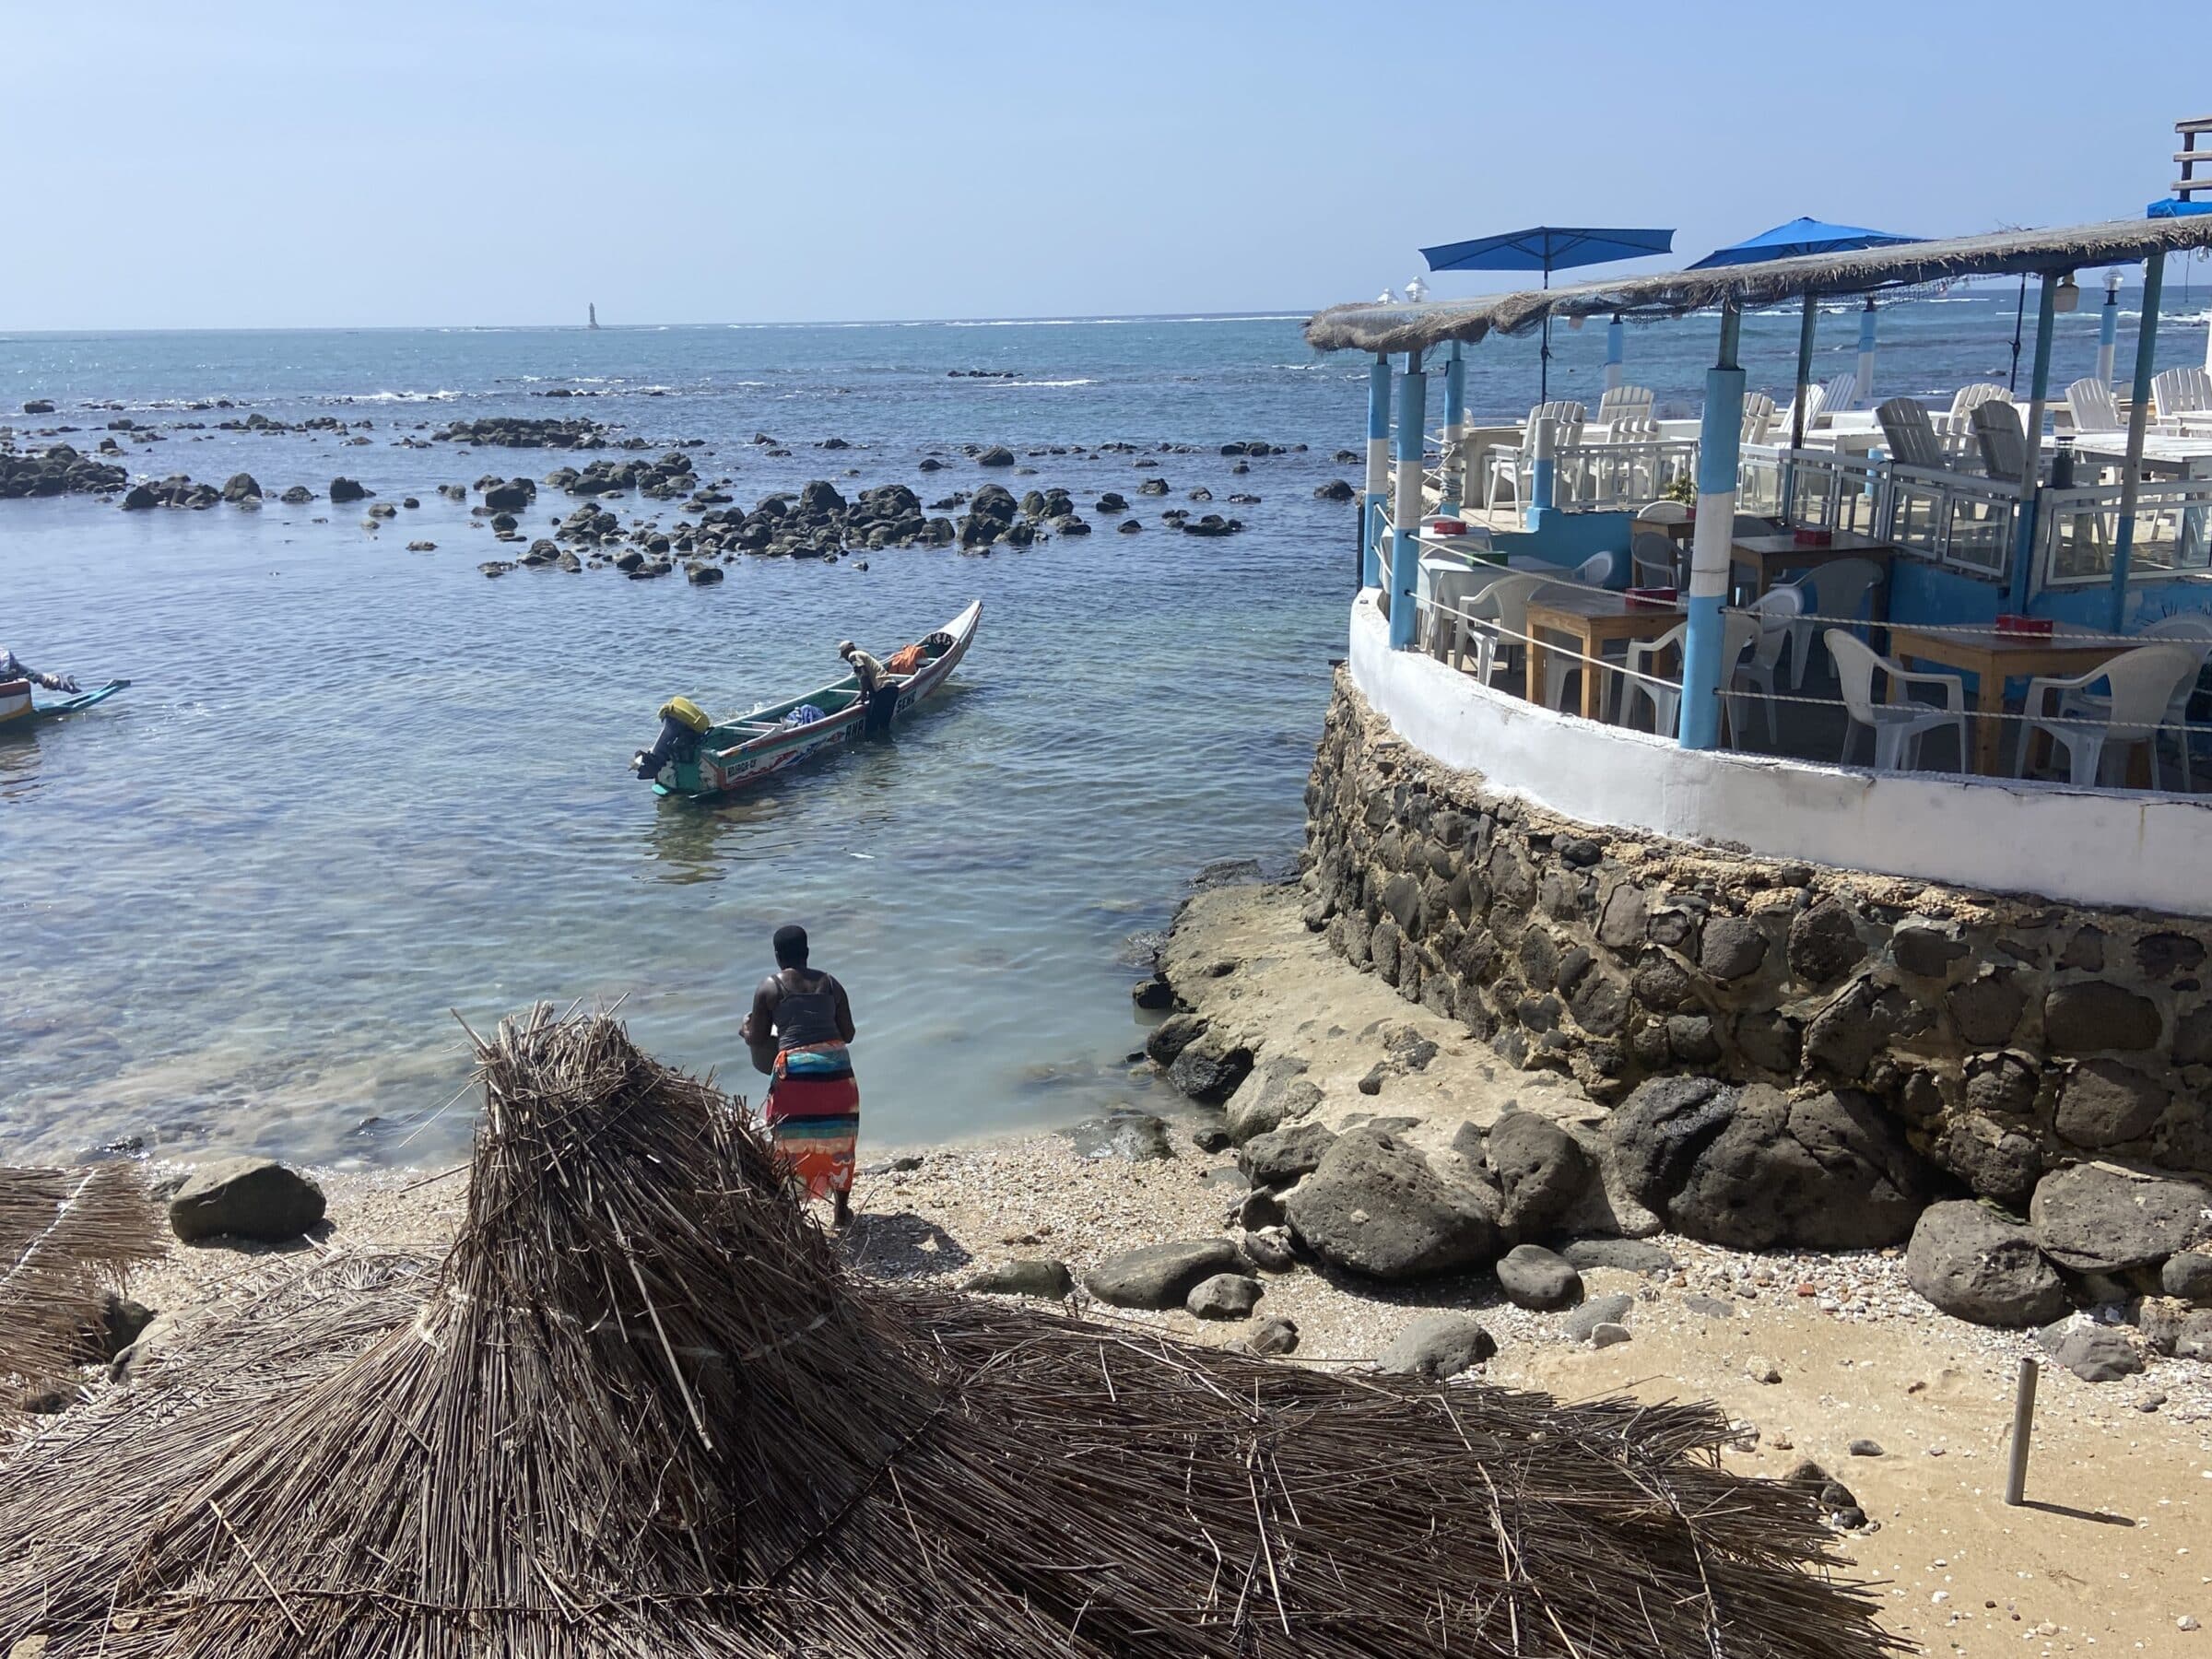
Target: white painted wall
(2081, 846)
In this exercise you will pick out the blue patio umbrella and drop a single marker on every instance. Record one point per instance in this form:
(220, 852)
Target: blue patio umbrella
(1798, 240)
(1547, 248)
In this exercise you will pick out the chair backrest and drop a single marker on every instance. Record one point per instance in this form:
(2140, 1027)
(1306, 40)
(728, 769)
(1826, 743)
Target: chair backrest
(1596, 571)
(1751, 524)
(2094, 410)
(1910, 434)
(1774, 610)
(2144, 680)
(1855, 663)
(1815, 404)
(1653, 557)
(2189, 625)
(1453, 587)
(1739, 633)
(1629, 401)
(1839, 588)
(1758, 415)
(1969, 398)
(1835, 397)
(1663, 513)
(2181, 392)
(2003, 445)
(1507, 600)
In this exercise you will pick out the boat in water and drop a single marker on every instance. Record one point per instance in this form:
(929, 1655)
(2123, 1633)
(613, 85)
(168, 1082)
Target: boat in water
(700, 758)
(20, 712)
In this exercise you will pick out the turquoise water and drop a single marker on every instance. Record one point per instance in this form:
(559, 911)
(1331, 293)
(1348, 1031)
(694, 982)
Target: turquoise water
(356, 790)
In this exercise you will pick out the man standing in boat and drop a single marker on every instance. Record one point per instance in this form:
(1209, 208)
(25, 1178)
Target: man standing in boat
(876, 690)
(797, 1032)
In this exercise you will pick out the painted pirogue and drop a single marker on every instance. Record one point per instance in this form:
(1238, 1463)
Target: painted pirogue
(647, 1411)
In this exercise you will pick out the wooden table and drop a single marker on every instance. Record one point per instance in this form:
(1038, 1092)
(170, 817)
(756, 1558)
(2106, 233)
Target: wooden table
(1766, 556)
(1994, 658)
(1592, 617)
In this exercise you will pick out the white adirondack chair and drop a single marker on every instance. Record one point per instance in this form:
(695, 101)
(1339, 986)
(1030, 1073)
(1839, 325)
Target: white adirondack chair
(1758, 417)
(2003, 444)
(1969, 398)
(1911, 435)
(1835, 397)
(2181, 392)
(1623, 403)
(1518, 467)
(2090, 402)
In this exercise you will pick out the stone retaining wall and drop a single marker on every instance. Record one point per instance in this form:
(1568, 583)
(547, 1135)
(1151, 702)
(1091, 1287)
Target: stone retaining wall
(2009, 1036)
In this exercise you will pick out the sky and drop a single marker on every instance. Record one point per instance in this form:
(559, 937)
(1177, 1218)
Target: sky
(387, 162)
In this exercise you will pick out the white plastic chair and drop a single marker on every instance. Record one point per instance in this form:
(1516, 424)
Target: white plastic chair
(2142, 684)
(1897, 728)
(1838, 590)
(1596, 571)
(1504, 604)
(1652, 558)
(1776, 610)
(1739, 631)
(2090, 402)
(2194, 631)
(1758, 417)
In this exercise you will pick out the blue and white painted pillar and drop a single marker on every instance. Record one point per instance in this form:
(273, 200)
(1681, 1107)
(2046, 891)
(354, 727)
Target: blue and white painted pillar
(1616, 352)
(2039, 394)
(2138, 422)
(1711, 547)
(1543, 475)
(1452, 475)
(1406, 508)
(1865, 374)
(2108, 329)
(1378, 471)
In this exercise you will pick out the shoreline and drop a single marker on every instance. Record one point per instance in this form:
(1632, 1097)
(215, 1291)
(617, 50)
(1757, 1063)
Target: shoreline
(2117, 1492)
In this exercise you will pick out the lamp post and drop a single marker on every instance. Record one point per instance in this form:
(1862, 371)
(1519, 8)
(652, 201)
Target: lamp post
(2108, 328)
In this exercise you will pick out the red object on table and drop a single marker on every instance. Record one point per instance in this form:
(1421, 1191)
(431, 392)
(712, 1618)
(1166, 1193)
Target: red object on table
(2024, 628)
(1655, 596)
(1815, 538)
(1448, 527)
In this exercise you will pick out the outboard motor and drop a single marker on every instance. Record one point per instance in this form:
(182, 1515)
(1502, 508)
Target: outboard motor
(682, 723)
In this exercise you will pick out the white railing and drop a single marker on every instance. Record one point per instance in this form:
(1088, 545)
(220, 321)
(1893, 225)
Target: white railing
(1961, 520)
(2077, 530)
(1614, 476)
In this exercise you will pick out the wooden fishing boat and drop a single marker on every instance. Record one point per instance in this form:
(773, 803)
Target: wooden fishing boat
(729, 755)
(19, 712)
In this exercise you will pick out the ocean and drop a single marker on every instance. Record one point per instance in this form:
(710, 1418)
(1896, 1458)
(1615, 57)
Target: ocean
(357, 795)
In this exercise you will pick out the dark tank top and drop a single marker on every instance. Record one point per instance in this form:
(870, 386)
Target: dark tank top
(807, 1018)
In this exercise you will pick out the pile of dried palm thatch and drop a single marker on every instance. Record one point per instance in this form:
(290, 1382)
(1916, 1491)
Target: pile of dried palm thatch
(645, 1411)
(66, 1238)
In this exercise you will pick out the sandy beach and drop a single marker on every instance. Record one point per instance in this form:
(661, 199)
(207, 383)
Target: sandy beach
(1808, 1353)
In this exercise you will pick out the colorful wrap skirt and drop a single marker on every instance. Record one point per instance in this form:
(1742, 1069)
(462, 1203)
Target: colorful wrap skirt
(813, 1113)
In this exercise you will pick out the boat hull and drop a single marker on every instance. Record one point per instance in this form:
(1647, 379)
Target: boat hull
(20, 713)
(725, 768)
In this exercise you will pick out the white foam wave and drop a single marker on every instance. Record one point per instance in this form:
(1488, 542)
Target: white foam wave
(1049, 383)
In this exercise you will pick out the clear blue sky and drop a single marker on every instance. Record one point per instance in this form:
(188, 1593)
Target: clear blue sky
(388, 162)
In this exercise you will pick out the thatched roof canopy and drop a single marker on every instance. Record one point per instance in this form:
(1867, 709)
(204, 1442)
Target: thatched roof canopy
(1384, 328)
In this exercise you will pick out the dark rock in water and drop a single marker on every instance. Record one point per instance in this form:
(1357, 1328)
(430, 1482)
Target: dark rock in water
(1037, 1276)
(1579, 1326)
(1347, 457)
(1172, 1036)
(139, 498)
(1279, 1156)
(1159, 1276)
(1110, 502)
(507, 431)
(1209, 1069)
(299, 495)
(503, 521)
(1128, 527)
(1975, 1264)
(241, 487)
(1213, 523)
(410, 502)
(1210, 1137)
(929, 463)
(1201, 494)
(2093, 1353)
(345, 489)
(630, 560)
(1133, 1137)
(496, 567)
(1375, 1207)
(38, 406)
(1534, 1277)
(2101, 1218)
(1153, 486)
(702, 575)
(384, 509)
(245, 1198)
(1225, 1296)
(422, 547)
(1438, 1346)
(1152, 994)
(1273, 1336)
(1336, 489)
(511, 495)
(996, 455)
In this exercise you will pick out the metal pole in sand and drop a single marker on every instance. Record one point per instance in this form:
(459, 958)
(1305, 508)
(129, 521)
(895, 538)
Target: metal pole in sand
(2023, 1425)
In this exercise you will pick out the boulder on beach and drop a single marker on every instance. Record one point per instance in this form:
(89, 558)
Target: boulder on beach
(1210, 1068)
(1437, 1345)
(241, 488)
(1224, 1296)
(1975, 1264)
(1159, 1276)
(255, 1198)
(1374, 1205)
(1534, 1277)
(1279, 1156)
(2103, 1218)
(1041, 1277)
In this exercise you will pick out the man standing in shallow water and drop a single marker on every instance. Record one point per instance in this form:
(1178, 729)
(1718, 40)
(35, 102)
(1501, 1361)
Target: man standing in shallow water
(797, 1031)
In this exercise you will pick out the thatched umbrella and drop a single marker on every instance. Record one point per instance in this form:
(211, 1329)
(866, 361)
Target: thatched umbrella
(647, 1412)
(67, 1237)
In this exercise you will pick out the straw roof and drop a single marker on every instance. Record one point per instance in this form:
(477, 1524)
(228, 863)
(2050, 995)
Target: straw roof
(66, 1238)
(645, 1410)
(1387, 328)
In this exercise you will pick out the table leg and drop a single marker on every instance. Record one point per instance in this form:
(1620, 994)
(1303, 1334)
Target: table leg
(1535, 669)
(1594, 682)
(1989, 731)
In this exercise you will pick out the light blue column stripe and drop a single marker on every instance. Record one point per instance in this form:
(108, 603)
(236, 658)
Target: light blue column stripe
(1455, 416)
(2039, 392)
(1406, 515)
(2108, 324)
(1371, 500)
(1720, 440)
(1615, 342)
(2146, 351)
(1866, 329)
